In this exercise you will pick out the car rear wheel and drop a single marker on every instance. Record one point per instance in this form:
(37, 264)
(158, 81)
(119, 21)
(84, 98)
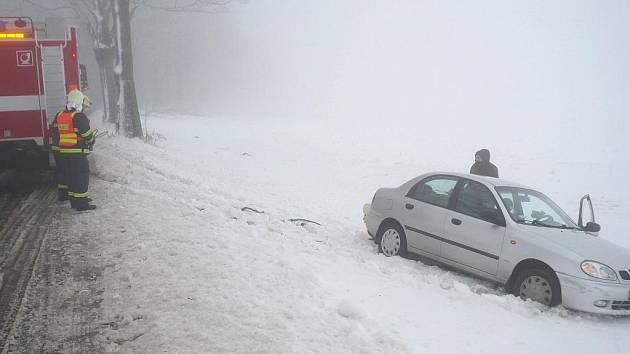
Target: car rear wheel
(392, 240)
(538, 285)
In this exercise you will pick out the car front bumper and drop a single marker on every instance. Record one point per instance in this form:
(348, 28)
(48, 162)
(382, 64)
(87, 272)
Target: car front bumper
(582, 294)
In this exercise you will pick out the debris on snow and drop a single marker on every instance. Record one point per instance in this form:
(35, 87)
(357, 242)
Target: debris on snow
(302, 222)
(252, 209)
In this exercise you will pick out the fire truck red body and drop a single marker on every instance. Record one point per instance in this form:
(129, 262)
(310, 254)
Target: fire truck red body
(35, 75)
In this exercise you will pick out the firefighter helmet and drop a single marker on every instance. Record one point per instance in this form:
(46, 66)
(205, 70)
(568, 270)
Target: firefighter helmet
(75, 100)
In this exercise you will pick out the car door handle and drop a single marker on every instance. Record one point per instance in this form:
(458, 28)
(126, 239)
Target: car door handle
(409, 206)
(456, 221)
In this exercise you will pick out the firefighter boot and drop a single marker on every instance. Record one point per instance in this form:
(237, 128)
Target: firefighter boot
(62, 194)
(86, 206)
(81, 203)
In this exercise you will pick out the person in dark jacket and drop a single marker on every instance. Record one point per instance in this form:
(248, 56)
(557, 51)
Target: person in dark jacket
(483, 166)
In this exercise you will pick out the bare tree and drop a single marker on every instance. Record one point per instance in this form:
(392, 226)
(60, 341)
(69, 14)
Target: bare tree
(109, 24)
(105, 54)
(127, 106)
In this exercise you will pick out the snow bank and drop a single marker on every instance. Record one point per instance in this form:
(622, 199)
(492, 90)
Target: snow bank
(201, 254)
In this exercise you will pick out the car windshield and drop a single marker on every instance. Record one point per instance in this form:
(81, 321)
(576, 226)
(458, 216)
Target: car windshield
(530, 207)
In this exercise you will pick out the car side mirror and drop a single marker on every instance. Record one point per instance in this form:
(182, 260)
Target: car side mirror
(592, 227)
(493, 216)
(586, 203)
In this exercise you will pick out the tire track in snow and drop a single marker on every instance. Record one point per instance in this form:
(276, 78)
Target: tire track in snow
(25, 216)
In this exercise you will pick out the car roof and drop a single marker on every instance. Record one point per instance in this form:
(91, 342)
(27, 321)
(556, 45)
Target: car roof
(490, 181)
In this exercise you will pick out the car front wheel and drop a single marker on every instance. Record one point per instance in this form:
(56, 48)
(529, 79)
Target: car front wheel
(538, 285)
(392, 240)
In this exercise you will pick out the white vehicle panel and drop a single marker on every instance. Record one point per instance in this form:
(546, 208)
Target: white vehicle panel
(422, 224)
(473, 242)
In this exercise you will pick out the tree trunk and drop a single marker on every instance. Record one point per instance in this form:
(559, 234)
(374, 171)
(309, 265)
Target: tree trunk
(127, 105)
(105, 58)
(105, 54)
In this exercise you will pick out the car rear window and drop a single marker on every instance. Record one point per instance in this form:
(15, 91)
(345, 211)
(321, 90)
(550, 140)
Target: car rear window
(436, 191)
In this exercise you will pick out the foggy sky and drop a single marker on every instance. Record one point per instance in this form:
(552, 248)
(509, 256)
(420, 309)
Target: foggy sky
(531, 62)
(556, 70)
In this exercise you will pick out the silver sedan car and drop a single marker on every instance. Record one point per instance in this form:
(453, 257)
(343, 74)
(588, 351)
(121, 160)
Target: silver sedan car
(507, 233)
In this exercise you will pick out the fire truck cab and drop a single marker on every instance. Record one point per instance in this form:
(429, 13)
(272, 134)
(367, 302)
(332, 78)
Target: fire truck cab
(36, 72)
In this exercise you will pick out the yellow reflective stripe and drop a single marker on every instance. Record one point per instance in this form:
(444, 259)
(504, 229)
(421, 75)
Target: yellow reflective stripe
(88, 132)
(55, 148)
(74, 151)
(62, 186)
(80, 195)
(70, 194)
(68, 138)
(70, 151)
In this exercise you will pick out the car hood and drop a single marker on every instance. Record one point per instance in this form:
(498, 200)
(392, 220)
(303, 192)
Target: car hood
(588, 246)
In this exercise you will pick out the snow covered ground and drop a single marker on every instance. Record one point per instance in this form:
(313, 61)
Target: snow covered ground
(188, 270)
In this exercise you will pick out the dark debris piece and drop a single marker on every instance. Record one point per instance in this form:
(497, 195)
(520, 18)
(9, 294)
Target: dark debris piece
(305, 221)
(252, 209)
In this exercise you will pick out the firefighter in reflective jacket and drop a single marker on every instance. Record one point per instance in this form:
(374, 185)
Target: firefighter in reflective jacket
(76, 139)
(61, 170)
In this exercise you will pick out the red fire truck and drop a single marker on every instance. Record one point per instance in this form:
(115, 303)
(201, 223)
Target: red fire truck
(36, 72)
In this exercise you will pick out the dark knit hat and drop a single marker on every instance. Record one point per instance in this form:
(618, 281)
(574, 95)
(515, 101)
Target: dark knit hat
(484, 154)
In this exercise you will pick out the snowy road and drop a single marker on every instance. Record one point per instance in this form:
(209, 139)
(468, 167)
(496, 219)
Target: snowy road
(48, 289)
(24, 216)
(59, 312)
(185, 269)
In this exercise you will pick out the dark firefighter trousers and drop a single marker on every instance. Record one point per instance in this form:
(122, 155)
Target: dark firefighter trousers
(78, 178)
(61, 175)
